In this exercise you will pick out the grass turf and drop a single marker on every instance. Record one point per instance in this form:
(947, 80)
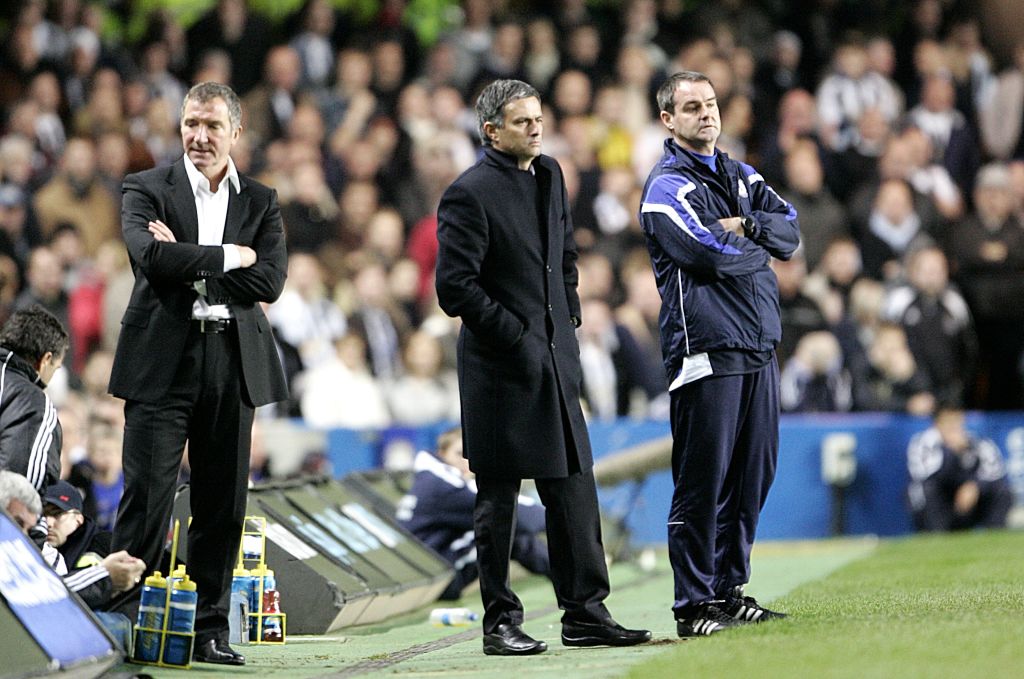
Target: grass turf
(927, 606)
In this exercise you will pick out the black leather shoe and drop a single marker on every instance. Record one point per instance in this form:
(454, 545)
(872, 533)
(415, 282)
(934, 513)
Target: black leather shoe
(217, 652)
(609, 633)
(512, 640)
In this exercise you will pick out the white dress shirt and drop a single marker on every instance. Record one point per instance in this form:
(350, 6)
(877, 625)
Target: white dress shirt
(212, 212)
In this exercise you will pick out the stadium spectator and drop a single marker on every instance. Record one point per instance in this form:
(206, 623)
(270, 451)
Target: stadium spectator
(342, 392)
(18, 230)
(893, 230)
(244, 35)
(1001, 114)
(106, 477)
(426, 392)
(889, 380)
(618, 379)
(270, 105)
(313, 43)
(825, 217)
(304, 316)
(986, 250)
(815, 380)
(953, 139)
(438, 509)
(937, 322)
(800, 314)
(376, 316)
(848, 91)
(45, 286)
(957, 479)
(830, 283)
(77, 195)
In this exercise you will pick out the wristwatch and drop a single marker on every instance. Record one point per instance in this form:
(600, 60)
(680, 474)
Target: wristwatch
(749, 225)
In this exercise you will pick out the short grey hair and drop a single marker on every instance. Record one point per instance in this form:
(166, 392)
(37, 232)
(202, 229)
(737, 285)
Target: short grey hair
(208, 91)
(490, 105)
(667, 92)
(16, 487)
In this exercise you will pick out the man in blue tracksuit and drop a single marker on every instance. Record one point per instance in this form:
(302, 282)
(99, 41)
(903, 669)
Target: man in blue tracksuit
(712, 225)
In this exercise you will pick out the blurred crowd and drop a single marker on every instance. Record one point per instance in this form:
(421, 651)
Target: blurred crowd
(894, 128)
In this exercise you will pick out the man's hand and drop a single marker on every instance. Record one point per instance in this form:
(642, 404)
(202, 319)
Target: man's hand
(733, 225)
(966, 498)
(248, 255)
(125, 570)
(161, 232)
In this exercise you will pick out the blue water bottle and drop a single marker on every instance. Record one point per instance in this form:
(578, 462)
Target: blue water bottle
(238, 615)
(255, 600)
(151, 617)
(178, 647)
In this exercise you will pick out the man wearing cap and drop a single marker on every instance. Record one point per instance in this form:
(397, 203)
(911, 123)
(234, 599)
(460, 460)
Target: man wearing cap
(76, 536)
(94, 584)
(116, 572)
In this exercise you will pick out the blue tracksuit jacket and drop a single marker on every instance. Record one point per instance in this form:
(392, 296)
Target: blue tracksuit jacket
(717, 289)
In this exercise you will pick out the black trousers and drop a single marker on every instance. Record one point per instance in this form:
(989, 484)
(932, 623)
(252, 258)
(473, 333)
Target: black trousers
(578, 570)
(725, 444)
(204, 407)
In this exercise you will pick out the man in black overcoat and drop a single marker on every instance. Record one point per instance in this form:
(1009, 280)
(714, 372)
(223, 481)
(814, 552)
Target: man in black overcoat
(507, 266)
(196, 354)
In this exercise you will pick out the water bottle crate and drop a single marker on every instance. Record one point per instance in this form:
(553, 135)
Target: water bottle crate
(166, 606)
(258, 624)
(252, 559)
(189, 641)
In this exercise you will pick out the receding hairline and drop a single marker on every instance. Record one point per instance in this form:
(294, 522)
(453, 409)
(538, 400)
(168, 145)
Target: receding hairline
(209, 100)
(666, 95)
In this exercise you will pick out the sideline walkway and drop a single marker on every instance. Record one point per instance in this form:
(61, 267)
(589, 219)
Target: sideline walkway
(410, 647)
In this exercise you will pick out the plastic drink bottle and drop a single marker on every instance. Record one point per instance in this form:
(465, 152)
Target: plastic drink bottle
(452, 617)
(177, 648)
(151, 616)
(272, 628)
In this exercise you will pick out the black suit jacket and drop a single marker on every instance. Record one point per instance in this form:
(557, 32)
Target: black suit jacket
(156, 322)
(519, 361)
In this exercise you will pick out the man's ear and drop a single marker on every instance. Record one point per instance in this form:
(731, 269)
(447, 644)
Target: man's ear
(490, 130)
(48, 356)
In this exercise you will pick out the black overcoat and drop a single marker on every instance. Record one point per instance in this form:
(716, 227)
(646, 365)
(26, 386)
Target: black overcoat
(518, 358)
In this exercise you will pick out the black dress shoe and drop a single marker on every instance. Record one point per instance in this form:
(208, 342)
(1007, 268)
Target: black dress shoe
(608, 633)
(512, 640)
(217, 652)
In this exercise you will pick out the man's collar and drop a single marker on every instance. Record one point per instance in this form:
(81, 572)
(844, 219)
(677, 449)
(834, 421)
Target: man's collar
(505, 159)
(685, 156)
(195, 177)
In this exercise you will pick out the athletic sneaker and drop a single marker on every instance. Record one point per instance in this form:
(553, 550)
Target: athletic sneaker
(705, 620)
(746, 608)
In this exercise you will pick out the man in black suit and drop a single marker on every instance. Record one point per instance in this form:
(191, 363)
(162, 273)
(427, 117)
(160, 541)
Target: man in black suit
(507, 266)
(196, 354)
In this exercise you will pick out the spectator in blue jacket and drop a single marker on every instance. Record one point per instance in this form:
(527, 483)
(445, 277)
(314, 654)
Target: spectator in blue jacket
(712, 225)
(439, 511)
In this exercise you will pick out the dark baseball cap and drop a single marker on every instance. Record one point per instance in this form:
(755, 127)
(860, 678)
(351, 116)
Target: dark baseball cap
(63, 495)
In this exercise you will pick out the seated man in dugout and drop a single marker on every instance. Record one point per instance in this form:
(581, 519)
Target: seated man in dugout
(439, 511)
